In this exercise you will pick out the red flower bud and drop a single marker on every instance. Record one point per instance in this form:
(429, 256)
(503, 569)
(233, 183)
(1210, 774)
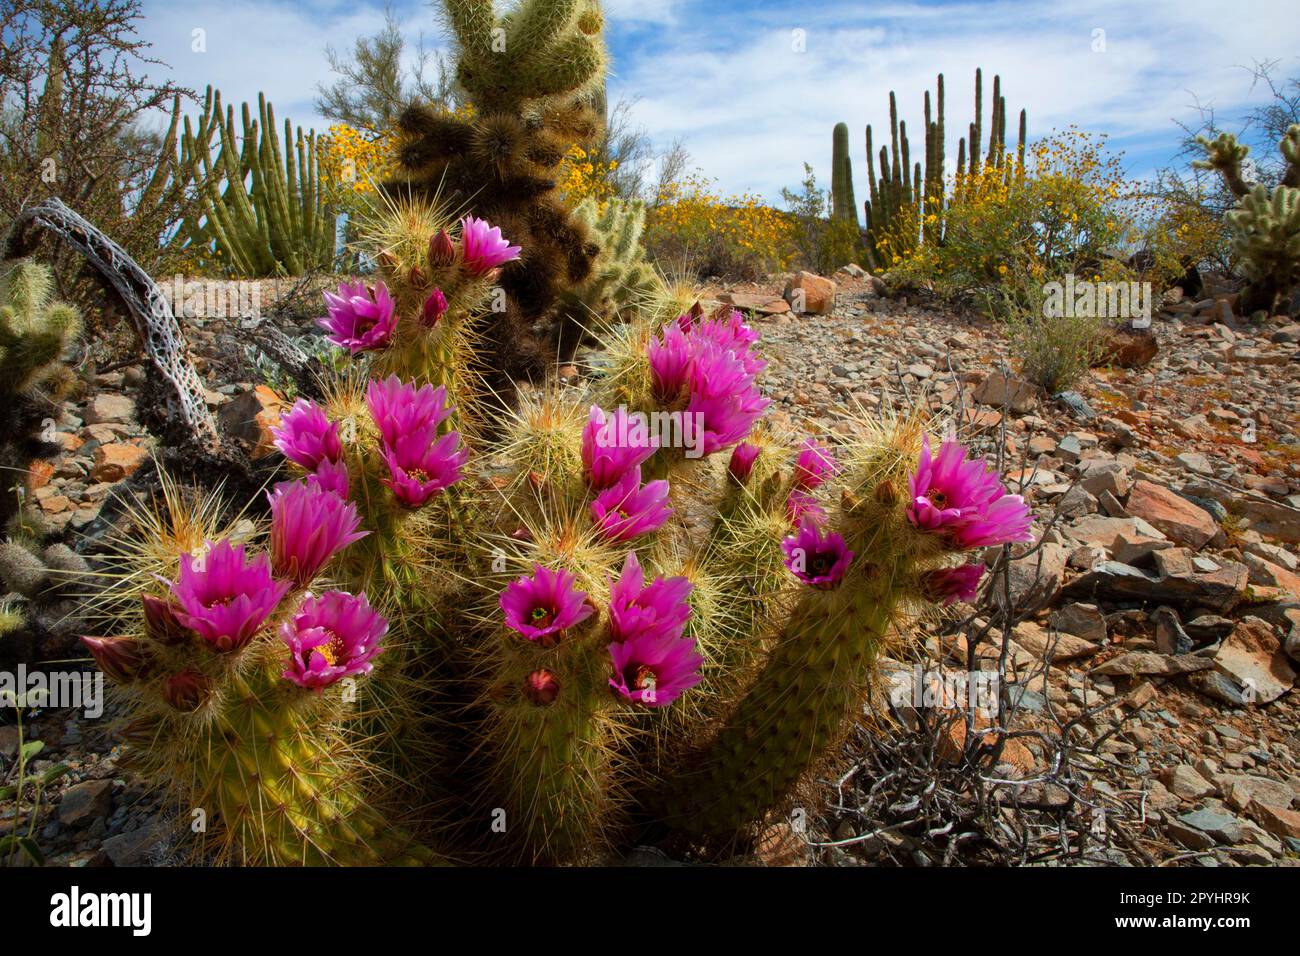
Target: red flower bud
(161, 623)
(541, 687)
(442, 251)
(433, 309)
(121, 658)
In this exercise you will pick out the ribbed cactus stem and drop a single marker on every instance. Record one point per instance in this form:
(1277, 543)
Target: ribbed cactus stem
(552, 760)
(805, 697)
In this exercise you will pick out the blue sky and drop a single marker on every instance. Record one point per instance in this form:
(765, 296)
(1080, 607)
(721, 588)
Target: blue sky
(728, 77)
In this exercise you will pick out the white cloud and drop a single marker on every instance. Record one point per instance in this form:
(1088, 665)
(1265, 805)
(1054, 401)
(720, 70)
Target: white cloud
(751, 109)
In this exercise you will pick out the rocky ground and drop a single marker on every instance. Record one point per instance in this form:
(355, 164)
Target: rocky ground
(1162, 610)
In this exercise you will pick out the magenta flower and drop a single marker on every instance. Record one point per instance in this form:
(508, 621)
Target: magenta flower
(964, 501)
(657, 611)
(435, 306)
(331, 637)
(483, 246)
(742, 461)
(360, 318)
(816, 558)
(654, 671)
(627, 509)
(614, 444)
(815, 466)
(724, 397)
(331, 476)
(400, 410)
(733, 335)
(309, 525)
(948, 585)
(670, 363)
(542, 607)
(306, 436)
(224, 597)
(418, 469)
(801, 506)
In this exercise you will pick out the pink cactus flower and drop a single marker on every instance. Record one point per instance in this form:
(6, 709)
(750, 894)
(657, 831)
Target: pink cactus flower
(224, 597)
(484, 248)
(331, 637)
(964, 501)
(816, 557)
(309, 525)
(418, 469)
(544, 605)
(670, 359)
(359, 318)
(434, 308)
(614, 444)
(742, 461)
(400, 410)
(800, 506)
(636, 610)
(331, 476)
(949, 585)
(815, 466)
(306, 436)
(724, 397)
(654, 671)
(627, 509)
(733, 335)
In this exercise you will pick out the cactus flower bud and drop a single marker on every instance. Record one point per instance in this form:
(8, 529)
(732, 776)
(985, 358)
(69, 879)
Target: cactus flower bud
(541, 687)
(442, 251)
(161, 622)
(121, 658)
(186, 691)
(416, 277)
(435, 306)
(742, 461)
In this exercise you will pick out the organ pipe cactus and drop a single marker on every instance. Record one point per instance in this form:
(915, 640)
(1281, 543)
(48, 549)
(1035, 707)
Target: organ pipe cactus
(263, 209)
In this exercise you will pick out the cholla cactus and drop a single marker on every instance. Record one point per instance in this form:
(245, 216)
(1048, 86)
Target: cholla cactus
(35, 334)
(1265, 222)
(629, 599)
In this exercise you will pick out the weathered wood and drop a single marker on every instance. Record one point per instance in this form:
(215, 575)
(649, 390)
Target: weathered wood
(150, 312)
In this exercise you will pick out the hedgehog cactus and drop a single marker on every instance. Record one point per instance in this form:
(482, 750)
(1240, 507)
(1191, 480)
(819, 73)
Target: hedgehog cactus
(628, 597)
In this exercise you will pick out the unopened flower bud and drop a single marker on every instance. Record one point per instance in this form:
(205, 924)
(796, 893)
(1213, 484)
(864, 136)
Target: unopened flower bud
(186, 691)
(161, 623)
(541, 687)
(433, 309)
(121, 658)
(442, 251)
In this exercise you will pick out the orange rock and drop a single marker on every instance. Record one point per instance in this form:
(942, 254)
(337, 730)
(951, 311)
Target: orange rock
(809, 293)
(1178, 518)
(1276, 820)
(117, 461)
(55, 503)
(251, 416)
(39, 474)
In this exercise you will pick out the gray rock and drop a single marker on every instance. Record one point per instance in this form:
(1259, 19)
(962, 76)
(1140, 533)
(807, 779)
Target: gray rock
(1081, 620)
(85, 802)
(137, 847)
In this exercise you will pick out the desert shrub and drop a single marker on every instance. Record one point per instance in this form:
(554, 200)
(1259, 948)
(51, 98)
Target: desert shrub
(1007, 230)
(585, 175)
(76, 98)
(694, 228)
(1055, 352)
(822, 243)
